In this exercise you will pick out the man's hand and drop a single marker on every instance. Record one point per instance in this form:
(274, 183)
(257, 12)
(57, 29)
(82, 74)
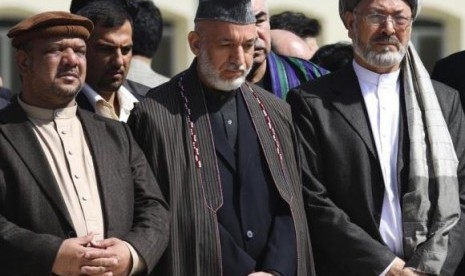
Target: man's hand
(72, 256)
(396, 268)
(116, 248)
(409, 272)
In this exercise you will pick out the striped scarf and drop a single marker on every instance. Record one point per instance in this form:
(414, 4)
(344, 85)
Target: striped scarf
(431, 205)
(289, 72)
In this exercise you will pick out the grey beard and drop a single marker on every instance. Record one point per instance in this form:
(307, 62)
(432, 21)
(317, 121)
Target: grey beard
(383, 59)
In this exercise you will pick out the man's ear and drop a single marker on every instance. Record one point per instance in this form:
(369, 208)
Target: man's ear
(23, 60)
(349, 20)
(194, 42)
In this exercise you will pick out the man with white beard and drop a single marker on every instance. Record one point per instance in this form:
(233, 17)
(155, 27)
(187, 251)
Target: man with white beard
(223, 150)
(383, 154)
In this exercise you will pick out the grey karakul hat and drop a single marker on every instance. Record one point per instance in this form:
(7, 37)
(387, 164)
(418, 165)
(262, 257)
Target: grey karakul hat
(233, 11)
(349, 5)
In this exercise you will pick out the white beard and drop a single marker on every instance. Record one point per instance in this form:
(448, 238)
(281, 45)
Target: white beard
(213, 78)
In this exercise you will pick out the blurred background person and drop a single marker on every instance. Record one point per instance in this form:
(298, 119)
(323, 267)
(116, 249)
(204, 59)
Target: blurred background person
(287, 43)
(147, 33)
(334, 56)
(5, 95)
(300, 24)
(273, 72)
(449, 70)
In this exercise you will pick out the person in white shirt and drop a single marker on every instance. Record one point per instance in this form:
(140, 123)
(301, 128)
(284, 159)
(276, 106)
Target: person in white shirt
(383, 154)
(148, 30)
(108, 59)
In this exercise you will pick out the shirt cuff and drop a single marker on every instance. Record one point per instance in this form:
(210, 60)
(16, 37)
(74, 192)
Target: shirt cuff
(272, 272)
(138, 263)
(387, 269)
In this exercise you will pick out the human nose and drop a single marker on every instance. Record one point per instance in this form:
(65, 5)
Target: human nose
(389, 25)
(237, 56)
(118, 57)
(70, 57)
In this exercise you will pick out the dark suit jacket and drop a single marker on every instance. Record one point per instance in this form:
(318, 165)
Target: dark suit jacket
(256, 227)
(195, 196)
(136, 89)
(33, 217)
(449, 70)
(5, 96)
(342, 178)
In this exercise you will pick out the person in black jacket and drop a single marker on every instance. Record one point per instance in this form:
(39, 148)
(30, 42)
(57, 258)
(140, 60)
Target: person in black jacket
(449, 70)
(107, 91)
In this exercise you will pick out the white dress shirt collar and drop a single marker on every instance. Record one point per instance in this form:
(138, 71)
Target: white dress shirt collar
(125, 98)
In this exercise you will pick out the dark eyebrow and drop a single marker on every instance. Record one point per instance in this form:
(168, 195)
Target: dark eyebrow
(81, 46)
(260, 14)
(225, 39)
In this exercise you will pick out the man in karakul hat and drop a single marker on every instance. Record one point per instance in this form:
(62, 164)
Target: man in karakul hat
(64, 209)
(383, 154)
(223, 149)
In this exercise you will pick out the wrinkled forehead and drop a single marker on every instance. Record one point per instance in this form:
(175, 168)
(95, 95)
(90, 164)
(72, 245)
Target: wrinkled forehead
(221, 28)
(259, 6)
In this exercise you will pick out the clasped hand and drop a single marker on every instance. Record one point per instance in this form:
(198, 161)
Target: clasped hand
(398, 269)
(82, 256)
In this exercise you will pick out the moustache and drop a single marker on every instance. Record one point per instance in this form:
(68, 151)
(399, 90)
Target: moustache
(74, 73)
(386, 39)
(236, 67)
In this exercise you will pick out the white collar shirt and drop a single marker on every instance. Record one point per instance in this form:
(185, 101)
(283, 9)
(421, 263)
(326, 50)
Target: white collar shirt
(381, 94)
(102, 107)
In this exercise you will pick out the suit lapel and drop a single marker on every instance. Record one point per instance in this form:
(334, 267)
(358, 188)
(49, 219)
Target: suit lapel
(21, 136)
(95, 131)
(136, 89)
(348, 100)
(83, 102)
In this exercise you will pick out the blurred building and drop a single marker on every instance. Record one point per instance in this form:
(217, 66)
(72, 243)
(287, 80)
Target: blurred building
(439, 31)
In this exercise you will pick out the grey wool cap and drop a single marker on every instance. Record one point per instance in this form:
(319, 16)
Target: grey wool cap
(349, 5)
(233, 11)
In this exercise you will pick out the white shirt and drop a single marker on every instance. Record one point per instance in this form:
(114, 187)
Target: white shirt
(125, 99)
(381, 95)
